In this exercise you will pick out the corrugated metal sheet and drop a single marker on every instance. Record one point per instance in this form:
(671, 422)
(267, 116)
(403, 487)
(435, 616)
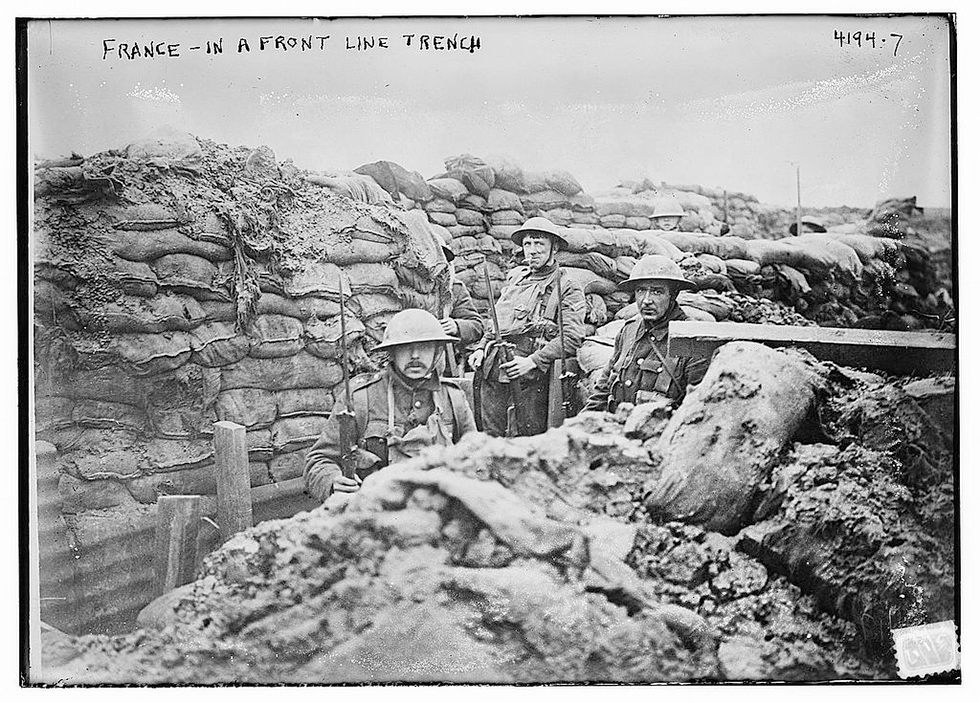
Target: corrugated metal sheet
(110, 575)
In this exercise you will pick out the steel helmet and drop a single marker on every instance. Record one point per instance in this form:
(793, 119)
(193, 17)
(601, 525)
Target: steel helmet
(808, 220)
(656, 267)
(411, 326)
(539, 225)
(668, 207)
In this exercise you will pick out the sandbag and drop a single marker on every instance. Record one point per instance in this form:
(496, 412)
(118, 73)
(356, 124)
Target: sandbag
(323, 279)
(722, 442)
(472, 201)
(502, 233)
(546, 199)
(322, 337)
(148, 354)
(612, 221)
(596, 312)
(638, 223)
(284, 467)
(100, 454)
(449, 189)
(160, 313)
(440, 205)
(251, 407)
(457, 231)
(444, 219)
(302, 370)
(397, 179)
(742, 267)
(305, 401)
(623, 207)
(105, 415)
(470, 218)
(178, 454)
(108, 383)
(697, 314)
(475, 173)
(190, 274)
(869, 248)
(595, 262)
(274, 336)
(711, 303)
(563, 182)
(167, 148)
(299, 432)
(216, 344)
(507, 217)
(713, 263)
(463, 245)
(821, 253)
(594, 354)
(501, 200)
(148, 246)
(589, 282)
(352, 185)
(766, 252)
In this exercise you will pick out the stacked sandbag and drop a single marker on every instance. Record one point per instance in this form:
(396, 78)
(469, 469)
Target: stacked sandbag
(199, 283)
(841, 278)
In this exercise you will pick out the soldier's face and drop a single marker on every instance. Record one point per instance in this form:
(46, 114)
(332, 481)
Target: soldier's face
(653, 299)
(668, 224)
(414, 361)
(538, 250)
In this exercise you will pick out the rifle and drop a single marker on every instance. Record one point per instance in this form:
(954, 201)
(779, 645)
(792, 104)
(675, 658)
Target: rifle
(505, 353)
(563, 377)
(346, 418)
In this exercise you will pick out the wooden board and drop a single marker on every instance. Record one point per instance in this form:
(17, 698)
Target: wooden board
(894, 352)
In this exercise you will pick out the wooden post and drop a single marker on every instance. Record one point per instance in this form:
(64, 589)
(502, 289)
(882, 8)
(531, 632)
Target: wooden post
(234, 487)
(799, 204)
(725, 210)
(178, 520)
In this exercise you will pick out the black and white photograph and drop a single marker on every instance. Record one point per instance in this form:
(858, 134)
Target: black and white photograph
(507, 349)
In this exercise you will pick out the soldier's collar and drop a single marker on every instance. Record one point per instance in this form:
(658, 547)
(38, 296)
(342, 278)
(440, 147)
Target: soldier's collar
(659, 330)
(429, 383)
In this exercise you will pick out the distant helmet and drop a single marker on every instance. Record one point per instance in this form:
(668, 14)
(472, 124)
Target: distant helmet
(668, 207)
(656, 267)
(539, 225)
(816, 224)
(411, 326)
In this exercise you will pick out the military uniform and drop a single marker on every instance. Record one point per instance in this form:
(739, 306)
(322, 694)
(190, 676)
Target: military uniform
(640, 364)
(528, 315)
(464, 313)
(394, 421)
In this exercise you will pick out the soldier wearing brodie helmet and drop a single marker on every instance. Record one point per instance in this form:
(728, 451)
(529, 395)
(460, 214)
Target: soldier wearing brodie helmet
(639, 368)
(515, 370)
(398, 411)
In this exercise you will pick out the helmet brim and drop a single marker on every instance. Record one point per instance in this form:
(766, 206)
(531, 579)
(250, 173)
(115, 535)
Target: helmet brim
(681, 283)
(438, 340)
(518, 237)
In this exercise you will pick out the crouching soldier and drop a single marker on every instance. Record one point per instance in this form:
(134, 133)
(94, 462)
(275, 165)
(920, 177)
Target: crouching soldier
(396, 412)
(640, 369)
(514, 362)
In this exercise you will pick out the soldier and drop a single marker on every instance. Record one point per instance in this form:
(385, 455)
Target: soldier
(667, 214)
(809, 224)
(398, 411)
(640, 368)
(461, 318)
(527, 312)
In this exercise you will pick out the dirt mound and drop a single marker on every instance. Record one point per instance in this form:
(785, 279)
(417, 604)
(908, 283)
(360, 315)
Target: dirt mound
(424, 577)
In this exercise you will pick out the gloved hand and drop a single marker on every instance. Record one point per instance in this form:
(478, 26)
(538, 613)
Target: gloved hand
(476, 359)
(450, 326)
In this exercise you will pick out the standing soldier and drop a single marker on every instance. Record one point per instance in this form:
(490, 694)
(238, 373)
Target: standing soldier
(460, 318)
(640, 368)
(396, 412)
(667, 214)
(514, 361)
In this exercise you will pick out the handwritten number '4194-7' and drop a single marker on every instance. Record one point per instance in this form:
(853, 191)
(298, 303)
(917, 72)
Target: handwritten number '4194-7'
(867, 38)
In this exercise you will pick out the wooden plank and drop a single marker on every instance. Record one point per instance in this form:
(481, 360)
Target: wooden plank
(178, 520)
(894, 352)
(233, 485)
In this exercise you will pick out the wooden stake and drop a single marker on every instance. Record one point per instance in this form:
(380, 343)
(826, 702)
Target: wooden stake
(178, 520)
(234, 487)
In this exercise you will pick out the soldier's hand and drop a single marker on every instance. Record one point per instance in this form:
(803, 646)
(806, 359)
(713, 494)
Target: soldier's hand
(518, 366)
(449, 326)
(342, 484)
(476, 359)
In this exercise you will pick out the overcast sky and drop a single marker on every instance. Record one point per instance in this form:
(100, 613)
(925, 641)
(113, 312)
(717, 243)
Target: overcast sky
(728, 102)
